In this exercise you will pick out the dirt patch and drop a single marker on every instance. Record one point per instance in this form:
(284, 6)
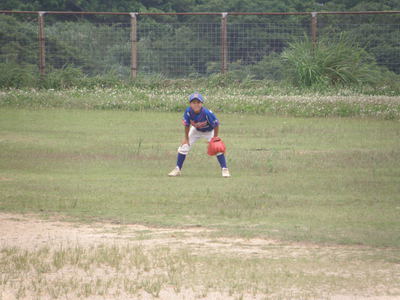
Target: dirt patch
(30, 232)
(5, 179)
(290, 263)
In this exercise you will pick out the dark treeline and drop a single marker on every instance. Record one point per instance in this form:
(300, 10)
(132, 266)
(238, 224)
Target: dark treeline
(200, 5)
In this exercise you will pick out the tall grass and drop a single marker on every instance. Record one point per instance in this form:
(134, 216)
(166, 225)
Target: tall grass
(330, 62)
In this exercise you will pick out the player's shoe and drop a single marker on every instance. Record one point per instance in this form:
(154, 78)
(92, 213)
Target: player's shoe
(175, 172)
(225, 172)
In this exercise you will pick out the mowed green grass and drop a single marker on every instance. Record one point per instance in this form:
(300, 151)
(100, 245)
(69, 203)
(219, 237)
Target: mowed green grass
(325, 180)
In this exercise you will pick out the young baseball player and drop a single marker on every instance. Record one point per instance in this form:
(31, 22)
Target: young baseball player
(199, 123)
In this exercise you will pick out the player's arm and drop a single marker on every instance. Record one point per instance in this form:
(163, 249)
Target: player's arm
(186, 138)
(216, 129)
(213, 121)
(186, 123)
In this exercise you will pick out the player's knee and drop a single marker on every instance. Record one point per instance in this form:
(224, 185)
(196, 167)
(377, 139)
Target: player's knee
(184, 149)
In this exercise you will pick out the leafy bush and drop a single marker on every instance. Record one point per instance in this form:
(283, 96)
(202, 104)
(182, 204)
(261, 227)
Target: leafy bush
(13, 75)
(69, 77)
(63, 78)
(270, 67)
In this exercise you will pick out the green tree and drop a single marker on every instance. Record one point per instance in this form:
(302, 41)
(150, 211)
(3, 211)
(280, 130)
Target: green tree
(18, 41)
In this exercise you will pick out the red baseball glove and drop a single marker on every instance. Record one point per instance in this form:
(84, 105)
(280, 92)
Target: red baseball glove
(216, 145)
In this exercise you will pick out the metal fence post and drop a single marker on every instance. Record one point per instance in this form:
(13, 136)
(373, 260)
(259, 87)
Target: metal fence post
(133, 45)
(224, 44)
(42, 48)
(314, 29)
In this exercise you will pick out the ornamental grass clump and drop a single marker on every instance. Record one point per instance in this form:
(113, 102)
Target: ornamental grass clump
(329, 62)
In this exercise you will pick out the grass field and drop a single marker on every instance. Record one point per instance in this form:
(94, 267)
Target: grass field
(324, 180)
(327, 181)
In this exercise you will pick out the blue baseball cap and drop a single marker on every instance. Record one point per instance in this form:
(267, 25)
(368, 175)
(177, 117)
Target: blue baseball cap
(196, 96)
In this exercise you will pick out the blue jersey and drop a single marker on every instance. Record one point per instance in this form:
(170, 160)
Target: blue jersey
(204, 121)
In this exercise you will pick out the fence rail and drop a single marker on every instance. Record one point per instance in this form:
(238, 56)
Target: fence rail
(145, 44)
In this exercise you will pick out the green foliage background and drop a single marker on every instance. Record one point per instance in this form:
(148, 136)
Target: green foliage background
(188, 46)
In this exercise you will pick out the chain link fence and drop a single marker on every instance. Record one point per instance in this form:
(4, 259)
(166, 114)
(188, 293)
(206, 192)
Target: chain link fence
(178, 49)
(378, 34)
(186, 45)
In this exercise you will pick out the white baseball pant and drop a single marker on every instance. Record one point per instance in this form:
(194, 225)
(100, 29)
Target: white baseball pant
(194, 135)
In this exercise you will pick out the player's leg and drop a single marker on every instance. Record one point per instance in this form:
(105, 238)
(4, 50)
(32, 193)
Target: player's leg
(183, 150)
(221, 159)
(194, 135)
